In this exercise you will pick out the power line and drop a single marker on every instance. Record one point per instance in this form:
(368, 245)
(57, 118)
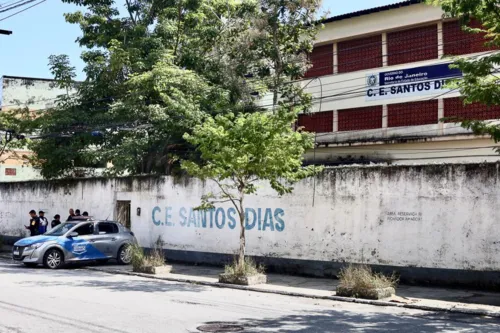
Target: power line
(16, 5)
(25, 9)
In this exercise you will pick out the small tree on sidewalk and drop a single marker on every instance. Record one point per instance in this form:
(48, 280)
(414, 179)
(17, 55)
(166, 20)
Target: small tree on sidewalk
(237, 151)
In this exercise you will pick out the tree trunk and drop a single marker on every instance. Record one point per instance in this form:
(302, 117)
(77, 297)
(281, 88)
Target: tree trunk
(241, 253)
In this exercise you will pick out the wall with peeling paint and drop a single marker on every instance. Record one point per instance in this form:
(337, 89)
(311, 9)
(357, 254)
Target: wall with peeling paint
(433, 216)
(35, 93)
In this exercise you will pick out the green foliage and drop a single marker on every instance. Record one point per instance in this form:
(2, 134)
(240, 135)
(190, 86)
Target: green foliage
(247, 269)
(160, 70)
(246, 148)
(155, 258)
(361, 278)
(480, 79)
(238, 151)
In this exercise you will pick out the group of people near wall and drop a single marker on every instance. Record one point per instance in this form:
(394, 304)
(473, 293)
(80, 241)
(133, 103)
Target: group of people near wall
(39, 223)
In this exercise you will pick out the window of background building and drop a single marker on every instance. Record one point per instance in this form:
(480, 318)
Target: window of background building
(318, 122)
(321, 59)
(358, 54)
(455, 108)
(457, 41)
(412, 114)
(412, 45)
(360, 118)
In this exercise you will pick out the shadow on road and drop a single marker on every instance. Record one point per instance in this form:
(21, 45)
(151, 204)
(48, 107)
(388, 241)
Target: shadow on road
(86, 280)
(347, 321)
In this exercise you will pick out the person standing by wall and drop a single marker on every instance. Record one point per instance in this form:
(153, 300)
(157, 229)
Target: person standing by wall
(34, 223)
(77, 212)
(42, 228)
(56, 221)
(71, 214)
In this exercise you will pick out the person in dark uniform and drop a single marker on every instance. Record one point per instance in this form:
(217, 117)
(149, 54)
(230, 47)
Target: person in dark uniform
(34, 223)
(56, 221)
(77, 213)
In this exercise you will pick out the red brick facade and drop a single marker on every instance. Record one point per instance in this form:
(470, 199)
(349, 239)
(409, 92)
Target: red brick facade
(321, 59)
(412, 45)
(319, 122)
(455, 110)
(412, 114)
(360, 118)
(359, 54)
(457, 41)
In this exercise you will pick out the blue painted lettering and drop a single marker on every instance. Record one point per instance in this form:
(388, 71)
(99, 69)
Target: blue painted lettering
(280, 224)
(220, 221)
(211, 217)
(230, 216)
(250, 225)
(182, 214)
(192, 217)
(268, 219)
(155, 221)
(168, 216)
(203, 218)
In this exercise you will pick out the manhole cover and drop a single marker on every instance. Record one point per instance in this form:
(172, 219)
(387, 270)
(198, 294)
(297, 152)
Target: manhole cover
(220, 327)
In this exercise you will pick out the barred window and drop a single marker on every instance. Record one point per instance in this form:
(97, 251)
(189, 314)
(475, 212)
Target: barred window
(457, 41)
(412, 45)
(321, 59)
(455, 110)
(412, 114)
(360, 118)
(318, 122)
(358, 54)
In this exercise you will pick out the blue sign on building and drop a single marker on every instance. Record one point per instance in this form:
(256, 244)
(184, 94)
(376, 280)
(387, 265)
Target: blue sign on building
(410, 82)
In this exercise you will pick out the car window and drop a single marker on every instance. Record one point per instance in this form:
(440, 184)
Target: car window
(61, 229)
(85, 229)
(107, 227)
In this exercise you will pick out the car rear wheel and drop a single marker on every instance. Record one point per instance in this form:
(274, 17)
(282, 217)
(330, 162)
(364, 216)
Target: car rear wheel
(124, 255)
(53, 259)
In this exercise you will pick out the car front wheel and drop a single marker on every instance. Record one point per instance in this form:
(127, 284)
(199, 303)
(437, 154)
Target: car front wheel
(124, 255)
(53, 259)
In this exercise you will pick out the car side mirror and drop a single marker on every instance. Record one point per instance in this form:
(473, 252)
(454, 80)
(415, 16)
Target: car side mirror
(73, 234)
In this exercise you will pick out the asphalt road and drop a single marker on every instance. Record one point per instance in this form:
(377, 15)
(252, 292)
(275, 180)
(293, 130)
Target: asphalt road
(77, 300)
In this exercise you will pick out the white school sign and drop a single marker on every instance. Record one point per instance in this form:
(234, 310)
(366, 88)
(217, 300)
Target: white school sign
(417, 81)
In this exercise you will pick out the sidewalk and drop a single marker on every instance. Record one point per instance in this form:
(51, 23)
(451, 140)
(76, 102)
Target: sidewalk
(425, 298)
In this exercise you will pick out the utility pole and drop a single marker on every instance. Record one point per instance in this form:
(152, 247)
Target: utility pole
(5, 32)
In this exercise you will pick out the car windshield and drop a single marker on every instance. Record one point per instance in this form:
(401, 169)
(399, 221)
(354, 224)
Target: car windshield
(61, 229)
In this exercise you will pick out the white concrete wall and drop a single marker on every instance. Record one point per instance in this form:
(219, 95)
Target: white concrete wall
(440, 216)
(37, 94)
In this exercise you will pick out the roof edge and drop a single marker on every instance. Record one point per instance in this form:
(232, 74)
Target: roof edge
(371, 11)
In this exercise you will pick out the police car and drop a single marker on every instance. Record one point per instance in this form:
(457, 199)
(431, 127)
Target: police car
(76, 241)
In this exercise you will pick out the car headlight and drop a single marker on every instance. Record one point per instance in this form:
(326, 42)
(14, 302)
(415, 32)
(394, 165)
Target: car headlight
(34, 246)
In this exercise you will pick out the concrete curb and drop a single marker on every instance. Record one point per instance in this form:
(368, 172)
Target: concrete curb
(453, 309)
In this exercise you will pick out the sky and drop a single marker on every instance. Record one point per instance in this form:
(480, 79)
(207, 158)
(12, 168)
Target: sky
(42, 31)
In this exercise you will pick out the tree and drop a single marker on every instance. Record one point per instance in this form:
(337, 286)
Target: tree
(238, 151)
(480, 81)
(220, 53)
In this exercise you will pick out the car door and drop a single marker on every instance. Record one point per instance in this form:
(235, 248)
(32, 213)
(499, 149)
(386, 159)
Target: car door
(82, 247)
(107, 238)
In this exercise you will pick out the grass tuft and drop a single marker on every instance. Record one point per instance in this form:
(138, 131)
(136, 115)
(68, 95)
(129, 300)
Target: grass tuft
(361, 278)
(155, 258)
(249, 268)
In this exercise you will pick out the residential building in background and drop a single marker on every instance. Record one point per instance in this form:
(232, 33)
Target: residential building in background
(36, 94)
(377, 82)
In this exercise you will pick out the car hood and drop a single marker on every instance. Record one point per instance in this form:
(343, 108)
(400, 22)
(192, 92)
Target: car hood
(35, 239)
